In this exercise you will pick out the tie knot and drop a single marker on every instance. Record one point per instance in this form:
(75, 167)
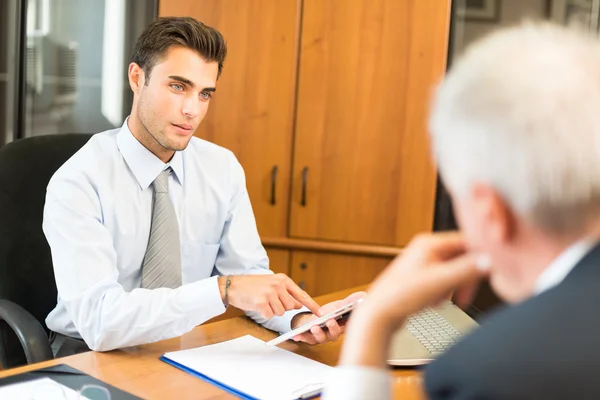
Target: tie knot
(161, 183)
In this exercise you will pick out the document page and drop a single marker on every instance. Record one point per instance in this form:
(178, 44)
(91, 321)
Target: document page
(247, 365)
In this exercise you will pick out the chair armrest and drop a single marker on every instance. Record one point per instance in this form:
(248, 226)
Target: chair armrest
(28, 330)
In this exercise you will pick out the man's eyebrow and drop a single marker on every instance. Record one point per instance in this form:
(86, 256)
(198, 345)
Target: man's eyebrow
(190, 83)
(182, 80)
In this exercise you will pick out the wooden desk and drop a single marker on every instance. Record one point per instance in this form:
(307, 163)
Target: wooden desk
(139, 371)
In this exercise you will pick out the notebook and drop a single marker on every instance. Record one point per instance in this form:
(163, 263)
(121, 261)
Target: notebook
(249, 369)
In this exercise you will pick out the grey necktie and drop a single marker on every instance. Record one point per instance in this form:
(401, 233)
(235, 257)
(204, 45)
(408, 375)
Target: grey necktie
(162, 261)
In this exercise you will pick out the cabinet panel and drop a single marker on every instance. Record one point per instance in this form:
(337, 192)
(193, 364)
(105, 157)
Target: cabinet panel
(322, 273)
(279, 261)
(362, 169)
(252, 111)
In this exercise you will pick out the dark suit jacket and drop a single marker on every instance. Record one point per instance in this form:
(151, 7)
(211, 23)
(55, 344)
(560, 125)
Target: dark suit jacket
(547, 347)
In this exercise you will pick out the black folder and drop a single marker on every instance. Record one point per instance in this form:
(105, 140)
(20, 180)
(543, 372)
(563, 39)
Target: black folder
(68, 376)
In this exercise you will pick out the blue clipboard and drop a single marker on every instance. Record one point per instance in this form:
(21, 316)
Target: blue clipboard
(218, 384)
(221, 385)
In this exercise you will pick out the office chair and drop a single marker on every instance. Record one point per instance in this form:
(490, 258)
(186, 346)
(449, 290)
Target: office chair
(27, 286)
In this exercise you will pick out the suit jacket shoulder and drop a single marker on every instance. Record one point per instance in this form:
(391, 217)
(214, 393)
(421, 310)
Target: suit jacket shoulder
(547, 347)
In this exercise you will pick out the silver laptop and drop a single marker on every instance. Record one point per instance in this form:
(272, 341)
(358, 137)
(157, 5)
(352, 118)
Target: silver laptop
(428, 334)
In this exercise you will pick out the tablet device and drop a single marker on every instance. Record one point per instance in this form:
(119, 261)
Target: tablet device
(339, 314)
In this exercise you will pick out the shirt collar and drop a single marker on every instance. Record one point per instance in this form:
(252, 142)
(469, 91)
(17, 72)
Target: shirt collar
(144, 165)
(562, 265)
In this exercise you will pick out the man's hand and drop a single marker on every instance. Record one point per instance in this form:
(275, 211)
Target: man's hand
(318, 335)
(428, 271)
(430, 268)
(269, 295)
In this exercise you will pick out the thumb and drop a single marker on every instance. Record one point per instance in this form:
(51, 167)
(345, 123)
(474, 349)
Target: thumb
(355, 296)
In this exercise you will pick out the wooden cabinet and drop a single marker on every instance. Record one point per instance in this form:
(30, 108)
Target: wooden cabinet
(321, 273)
(279, 260)
(362, 171)
(252, 111)
(324, 102)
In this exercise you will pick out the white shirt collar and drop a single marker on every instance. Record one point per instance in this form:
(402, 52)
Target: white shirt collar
(562, 265)
(145, 165)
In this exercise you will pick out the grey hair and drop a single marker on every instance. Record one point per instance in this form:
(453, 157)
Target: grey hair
(519, 111)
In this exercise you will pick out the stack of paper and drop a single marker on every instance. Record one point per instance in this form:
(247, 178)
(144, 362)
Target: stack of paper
(248, 368)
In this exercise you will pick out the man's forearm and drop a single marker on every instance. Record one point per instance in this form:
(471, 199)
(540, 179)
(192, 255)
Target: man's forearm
(109, 318)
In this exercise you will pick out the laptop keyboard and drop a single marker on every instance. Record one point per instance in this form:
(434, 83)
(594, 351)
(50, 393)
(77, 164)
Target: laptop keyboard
(432, 331)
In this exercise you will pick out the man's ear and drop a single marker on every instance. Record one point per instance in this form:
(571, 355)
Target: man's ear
(499, 217)
(136, 77)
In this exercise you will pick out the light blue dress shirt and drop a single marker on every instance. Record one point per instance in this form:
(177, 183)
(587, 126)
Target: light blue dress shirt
(97, 221)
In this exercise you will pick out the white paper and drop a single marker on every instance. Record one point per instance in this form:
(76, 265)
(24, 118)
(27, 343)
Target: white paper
(43, 388)
(247, 365)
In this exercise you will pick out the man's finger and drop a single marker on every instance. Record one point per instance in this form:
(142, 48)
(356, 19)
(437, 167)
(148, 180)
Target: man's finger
(430, 285)
(319, 334)
(443, 245)
(276, 306)
(306, 338)
(329, 307)
(355, 296)
(265, 311)
(302, 297)
(450, 275)
(333, 329)
(288, 301)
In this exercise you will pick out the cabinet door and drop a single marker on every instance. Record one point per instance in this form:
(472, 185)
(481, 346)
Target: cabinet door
(362, 167)
(323, 273)
(252, 111)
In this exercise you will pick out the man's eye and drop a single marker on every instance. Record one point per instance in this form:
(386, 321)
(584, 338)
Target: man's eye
(206, 95)
(177, 86)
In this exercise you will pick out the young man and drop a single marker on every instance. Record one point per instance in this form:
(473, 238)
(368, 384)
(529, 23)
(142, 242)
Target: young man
(516, 134)
(151, 229)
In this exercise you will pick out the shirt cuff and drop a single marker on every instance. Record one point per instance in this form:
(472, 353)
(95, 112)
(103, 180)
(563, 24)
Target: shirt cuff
(354, 382)
(281, 324)
(201, 300)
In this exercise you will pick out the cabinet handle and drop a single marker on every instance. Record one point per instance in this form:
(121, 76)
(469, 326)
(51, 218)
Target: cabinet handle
(273, 184)
(302, 285)
(303, 266)
(304, 179)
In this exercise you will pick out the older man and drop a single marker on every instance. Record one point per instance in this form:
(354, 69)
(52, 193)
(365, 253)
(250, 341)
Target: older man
(516, 132)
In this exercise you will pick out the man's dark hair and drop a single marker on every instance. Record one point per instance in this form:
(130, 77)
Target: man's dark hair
(187, 32)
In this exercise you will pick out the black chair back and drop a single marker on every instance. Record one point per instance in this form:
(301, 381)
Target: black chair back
(26, 274)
